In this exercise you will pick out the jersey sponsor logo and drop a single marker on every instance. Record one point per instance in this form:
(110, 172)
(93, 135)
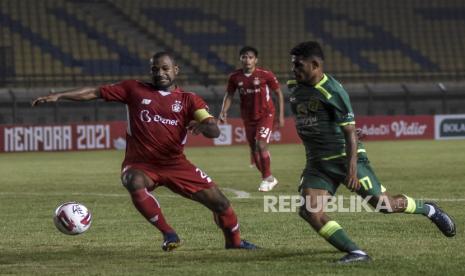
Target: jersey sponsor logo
(309, 121)
(256, 81)
(147, 117)
(243, 91)
(241, 83)
(146, 101)
(176, 107)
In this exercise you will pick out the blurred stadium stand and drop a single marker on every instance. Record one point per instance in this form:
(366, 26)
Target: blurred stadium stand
(390, 55)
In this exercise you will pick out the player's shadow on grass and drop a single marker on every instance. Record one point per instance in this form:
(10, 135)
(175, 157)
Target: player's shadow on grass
(112, 255)
(264, 254)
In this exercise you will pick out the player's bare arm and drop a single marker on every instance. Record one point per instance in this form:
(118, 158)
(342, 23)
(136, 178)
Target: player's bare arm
(350, 136)
(208, 127)
(78, 94)
(279, 93)
(227, 101)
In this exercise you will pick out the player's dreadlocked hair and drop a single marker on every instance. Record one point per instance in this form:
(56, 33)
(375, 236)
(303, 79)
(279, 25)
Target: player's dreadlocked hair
(308, 49)
(158, 55)
(248, 49)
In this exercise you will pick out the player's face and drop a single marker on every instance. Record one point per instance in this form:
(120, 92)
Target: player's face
(163, 72)
(304, 69)
(248, 60)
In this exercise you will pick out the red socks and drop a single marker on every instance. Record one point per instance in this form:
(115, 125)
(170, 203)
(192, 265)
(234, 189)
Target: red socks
(262, 162)
(265, 160)
(227, 221)
(148, 206)
(256, 158)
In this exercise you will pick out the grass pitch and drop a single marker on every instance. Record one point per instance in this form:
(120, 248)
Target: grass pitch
(121, 242)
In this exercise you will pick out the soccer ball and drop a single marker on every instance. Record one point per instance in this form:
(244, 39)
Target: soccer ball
(72, 218)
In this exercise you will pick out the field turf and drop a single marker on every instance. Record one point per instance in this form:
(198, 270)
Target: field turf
(121, 242)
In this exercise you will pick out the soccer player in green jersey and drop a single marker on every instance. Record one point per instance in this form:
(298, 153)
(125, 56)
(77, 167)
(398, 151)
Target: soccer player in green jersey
(326, 124)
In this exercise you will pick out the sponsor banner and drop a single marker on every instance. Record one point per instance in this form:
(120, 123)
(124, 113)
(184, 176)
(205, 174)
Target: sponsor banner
(22, 138)
(233, 133)
(396, 127)
(111, 135)
(449, 126)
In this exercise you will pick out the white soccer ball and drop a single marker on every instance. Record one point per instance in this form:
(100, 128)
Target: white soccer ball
(72, 218)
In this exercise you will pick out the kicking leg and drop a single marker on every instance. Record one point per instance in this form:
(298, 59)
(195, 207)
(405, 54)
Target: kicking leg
(388, 204)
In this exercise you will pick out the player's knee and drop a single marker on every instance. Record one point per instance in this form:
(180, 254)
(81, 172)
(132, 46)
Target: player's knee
(222, 204)
(314, 218)
(306, 214)
(262, 145)
(133, 181)
(213, 199)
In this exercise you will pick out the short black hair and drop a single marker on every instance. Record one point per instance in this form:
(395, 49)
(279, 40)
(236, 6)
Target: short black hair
(246, 49)
(160, 54)
(308, 49)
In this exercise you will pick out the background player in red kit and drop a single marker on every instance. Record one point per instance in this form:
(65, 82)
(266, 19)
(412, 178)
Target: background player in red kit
(257, 110)
(159, 116)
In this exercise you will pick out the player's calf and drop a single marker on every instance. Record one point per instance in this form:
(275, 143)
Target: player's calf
(387, 204)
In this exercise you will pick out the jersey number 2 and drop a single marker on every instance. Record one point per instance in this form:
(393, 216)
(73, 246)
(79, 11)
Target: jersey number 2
(203, 175)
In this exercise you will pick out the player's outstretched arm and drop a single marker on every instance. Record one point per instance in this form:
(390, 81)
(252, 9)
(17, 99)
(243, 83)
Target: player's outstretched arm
(78, 94)
(227, 101)
(350, 137)
(208, 127)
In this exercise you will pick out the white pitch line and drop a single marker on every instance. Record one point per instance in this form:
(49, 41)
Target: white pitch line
(238, 195)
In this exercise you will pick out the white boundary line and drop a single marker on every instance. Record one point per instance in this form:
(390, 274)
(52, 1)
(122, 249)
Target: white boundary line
(238, 195)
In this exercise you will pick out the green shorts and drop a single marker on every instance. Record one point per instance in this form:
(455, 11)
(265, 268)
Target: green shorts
(328, 175)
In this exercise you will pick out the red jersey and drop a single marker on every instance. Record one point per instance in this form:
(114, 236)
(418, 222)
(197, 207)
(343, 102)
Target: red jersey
(157, 120)
(254, 90)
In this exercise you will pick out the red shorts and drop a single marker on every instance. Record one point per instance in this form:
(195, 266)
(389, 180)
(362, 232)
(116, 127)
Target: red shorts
(259, 130)
(182, 178)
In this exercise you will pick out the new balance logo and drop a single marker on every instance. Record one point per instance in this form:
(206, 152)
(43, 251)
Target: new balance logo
(146, 101)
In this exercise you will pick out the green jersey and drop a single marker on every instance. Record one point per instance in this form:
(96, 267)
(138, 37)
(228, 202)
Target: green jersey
(320, 111)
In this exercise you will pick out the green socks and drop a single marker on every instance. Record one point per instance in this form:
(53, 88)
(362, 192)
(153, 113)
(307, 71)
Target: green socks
(415, 206)
(336, 236)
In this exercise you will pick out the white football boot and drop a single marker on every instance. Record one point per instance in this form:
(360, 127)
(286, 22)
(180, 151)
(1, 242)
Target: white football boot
(268, 184)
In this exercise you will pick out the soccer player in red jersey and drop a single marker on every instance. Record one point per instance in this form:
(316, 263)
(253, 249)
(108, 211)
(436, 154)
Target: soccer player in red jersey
(159, 117)
(255, 85)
